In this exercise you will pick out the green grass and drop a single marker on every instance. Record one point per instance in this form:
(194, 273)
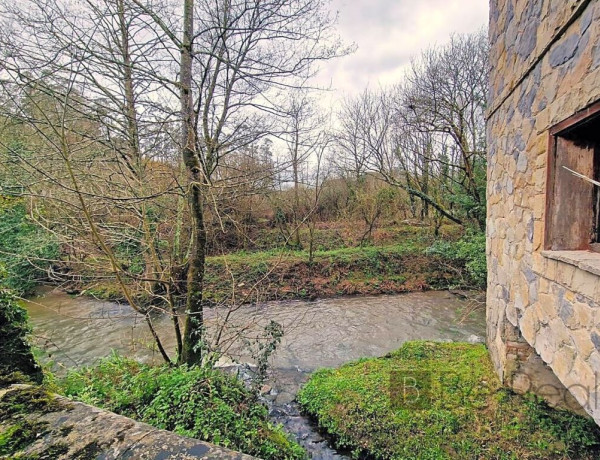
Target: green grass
(465, 413)
(346, 234)
(343, 253)
(198, 402)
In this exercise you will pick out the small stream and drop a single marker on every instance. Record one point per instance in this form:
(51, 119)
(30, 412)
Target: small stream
(77, 331)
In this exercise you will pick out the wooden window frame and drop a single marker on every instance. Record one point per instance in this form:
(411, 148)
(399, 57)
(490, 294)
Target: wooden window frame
(560, 130)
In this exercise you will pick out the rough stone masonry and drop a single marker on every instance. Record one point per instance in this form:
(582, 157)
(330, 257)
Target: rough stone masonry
(543, 305)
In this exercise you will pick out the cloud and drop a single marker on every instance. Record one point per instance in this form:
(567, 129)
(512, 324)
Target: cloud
(389, 33)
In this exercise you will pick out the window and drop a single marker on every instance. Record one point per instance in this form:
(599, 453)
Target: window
(572, 202)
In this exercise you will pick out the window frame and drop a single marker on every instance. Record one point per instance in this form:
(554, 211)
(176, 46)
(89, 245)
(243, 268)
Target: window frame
(560, 130)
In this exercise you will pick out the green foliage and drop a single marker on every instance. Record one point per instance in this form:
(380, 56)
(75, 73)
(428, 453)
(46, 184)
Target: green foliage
(199, 402)
(16, 358)
(472, 204)
(358, 270)
(387, 195)
(261, 351)
(468, 253)
(26, 249)
(408, 265)
(12, 147)
(128, 251)
(465, 413)
(570, 429)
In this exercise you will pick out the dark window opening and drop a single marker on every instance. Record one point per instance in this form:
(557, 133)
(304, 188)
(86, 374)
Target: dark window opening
(573, 202)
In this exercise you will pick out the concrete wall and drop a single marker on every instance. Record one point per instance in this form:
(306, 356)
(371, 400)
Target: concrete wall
(543, 307)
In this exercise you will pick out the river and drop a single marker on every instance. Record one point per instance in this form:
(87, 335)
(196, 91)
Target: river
(77, 331)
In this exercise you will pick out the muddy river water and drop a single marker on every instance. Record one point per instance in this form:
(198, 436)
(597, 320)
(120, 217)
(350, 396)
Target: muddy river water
(76, 331)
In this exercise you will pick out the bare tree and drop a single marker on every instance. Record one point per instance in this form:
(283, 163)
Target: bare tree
(445, 96)
(321, 173)
(119, 92)
(304, 137)
(75, 84)
(243, 55)
(426, 135)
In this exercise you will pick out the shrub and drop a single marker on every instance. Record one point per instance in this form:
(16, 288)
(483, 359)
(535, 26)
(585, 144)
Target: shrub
(468, 254)
(26, 249)
(199, 402)
(16, 359)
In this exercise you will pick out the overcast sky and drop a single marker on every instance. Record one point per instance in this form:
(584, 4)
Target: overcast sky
(389, 33)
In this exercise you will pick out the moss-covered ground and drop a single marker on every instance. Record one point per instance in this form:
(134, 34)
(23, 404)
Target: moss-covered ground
(459, 410)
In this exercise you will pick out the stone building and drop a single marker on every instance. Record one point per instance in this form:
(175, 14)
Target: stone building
(544, 221)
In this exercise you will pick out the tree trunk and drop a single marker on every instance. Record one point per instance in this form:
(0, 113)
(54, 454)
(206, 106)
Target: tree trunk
(295, 167)
(194, 321)
(425, 180)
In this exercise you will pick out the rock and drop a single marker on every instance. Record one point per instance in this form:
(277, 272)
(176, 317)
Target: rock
(266, 389)
(70, 430)
(475, 339)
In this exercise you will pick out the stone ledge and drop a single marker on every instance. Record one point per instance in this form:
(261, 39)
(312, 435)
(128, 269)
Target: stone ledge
(585, 260)
(83, 431)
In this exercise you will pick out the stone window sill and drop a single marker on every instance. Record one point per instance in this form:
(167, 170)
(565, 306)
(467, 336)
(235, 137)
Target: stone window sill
(585, 260)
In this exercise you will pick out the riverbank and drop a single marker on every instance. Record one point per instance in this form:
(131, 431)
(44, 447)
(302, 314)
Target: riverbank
(198, 402)
(399, 257)
(453, 407)
(417, 264)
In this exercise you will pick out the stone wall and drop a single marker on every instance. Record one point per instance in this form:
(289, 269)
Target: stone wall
(543, 307)
(47, 426)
